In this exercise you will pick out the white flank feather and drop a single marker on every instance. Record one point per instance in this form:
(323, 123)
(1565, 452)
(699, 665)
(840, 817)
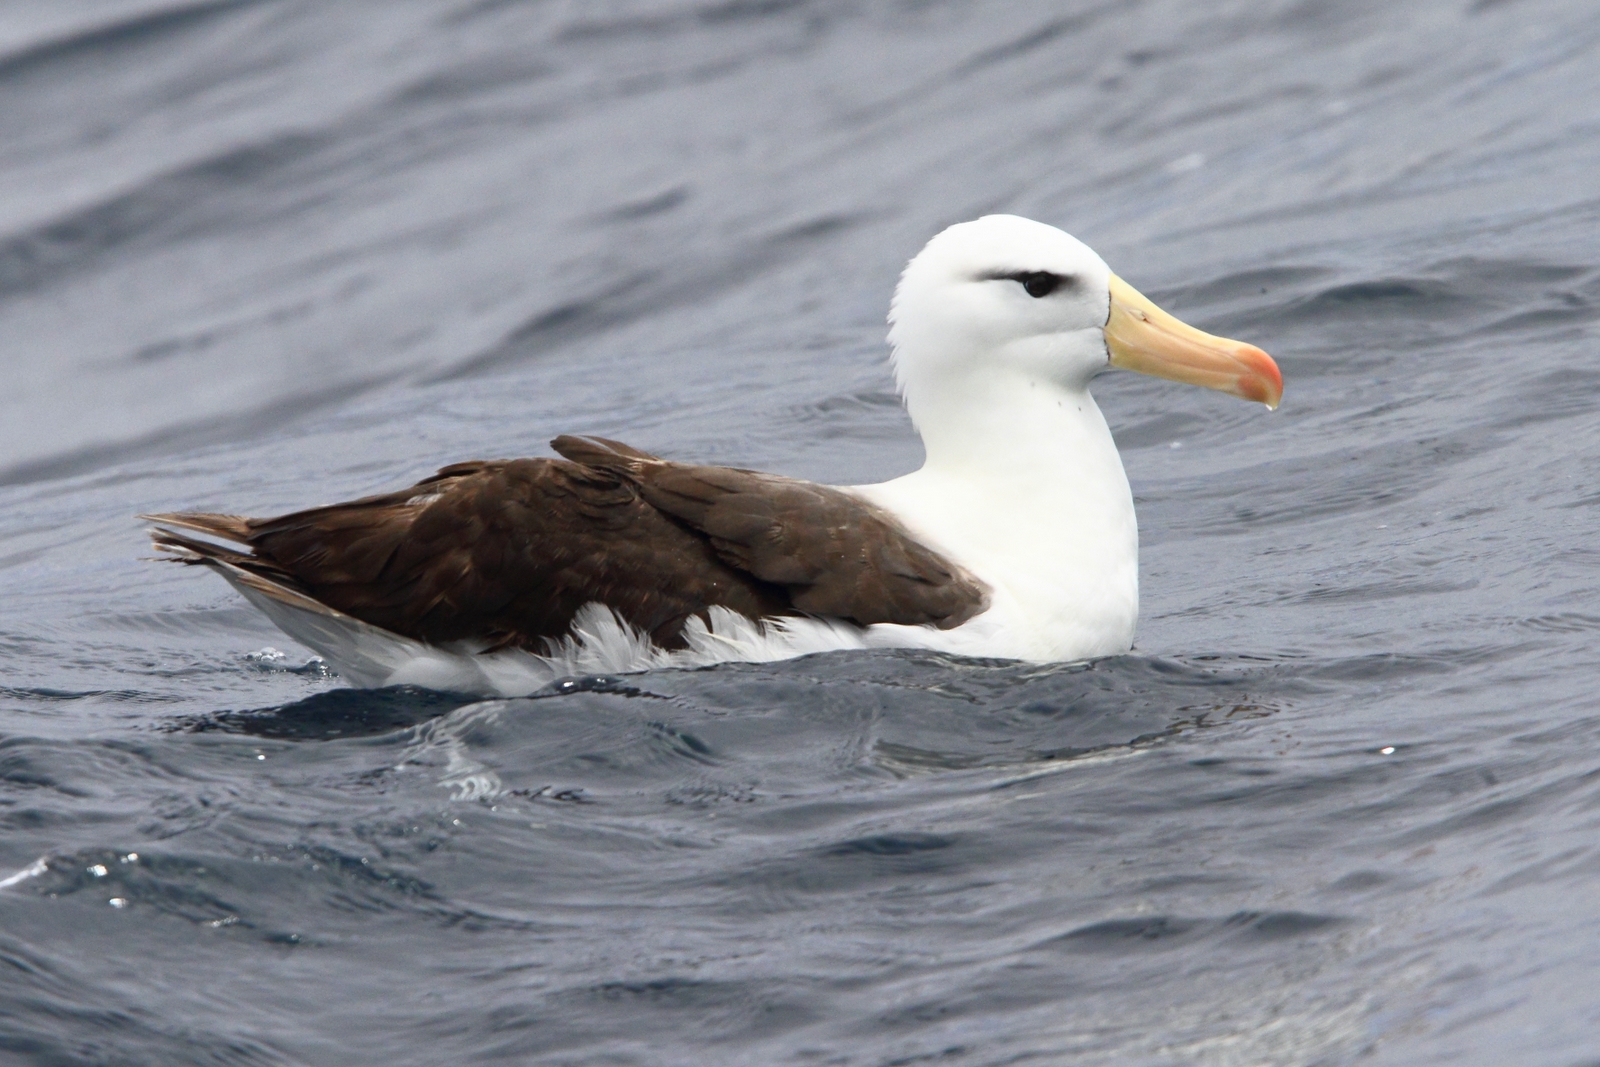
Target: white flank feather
(600, 642)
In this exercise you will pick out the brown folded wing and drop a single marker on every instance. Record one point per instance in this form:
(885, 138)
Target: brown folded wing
(507, 552)
(834, 553)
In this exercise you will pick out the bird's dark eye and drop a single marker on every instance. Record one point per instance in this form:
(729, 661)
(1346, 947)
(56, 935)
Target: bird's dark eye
(1039, 283)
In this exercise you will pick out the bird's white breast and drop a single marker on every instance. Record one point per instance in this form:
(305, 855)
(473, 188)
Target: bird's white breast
(1052, 531)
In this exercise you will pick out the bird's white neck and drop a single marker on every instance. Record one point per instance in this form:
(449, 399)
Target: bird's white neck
(1004, 424)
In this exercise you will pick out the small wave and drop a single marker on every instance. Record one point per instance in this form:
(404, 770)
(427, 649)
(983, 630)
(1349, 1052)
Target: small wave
(1148, 932)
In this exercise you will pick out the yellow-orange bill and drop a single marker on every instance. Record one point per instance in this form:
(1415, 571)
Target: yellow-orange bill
(1142, 337)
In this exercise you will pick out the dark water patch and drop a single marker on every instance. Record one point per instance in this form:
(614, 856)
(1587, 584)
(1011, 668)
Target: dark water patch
(1587, 501)
(1038, 37)
(682, 744)
(1192, 880)
(1339, 19)
(876, 863)
(1388, 666)
(1486, 276)
(21, 770)
(362, 881)
(1165, 932)
(47, 695)
(555, 326)
(889, 845)
(857, 403)
(1273, 925)
(807, 230)
(489, 73)
(743, 10)
(1411, 297)
(262, 896)
(656, 26)
(1361, 881)
(1389, 589)
(479, 8)
(1121, 935)
(632, 1009)
(180, 888)
(256, 893)
(646, 206)
(200, 342)
(594, 683)
(337, 713)
(163, 28)
(669, 992)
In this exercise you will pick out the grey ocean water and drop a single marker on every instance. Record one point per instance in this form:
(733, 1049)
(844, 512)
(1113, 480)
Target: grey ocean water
(1341, 804)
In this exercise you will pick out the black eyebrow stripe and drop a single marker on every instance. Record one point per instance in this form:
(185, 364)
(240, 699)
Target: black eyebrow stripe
(1024, 275)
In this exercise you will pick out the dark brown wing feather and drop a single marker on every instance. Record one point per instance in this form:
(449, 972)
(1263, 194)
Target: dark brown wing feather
(505, 552)
(833, 552)
(508, 551)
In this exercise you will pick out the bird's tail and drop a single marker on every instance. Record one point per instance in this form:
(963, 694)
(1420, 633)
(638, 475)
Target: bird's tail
(235, 528)
(243, 570)
(365, 655)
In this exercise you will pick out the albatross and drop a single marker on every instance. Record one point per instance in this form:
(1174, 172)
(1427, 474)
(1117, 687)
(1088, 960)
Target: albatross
(1016, 539)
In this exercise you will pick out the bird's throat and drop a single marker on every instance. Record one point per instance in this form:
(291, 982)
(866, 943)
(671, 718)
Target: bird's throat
(1009, 427)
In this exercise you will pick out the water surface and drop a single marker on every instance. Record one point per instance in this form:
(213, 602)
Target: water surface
(1340, 803)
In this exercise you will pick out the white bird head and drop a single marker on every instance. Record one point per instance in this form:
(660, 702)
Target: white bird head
(1006, 303)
